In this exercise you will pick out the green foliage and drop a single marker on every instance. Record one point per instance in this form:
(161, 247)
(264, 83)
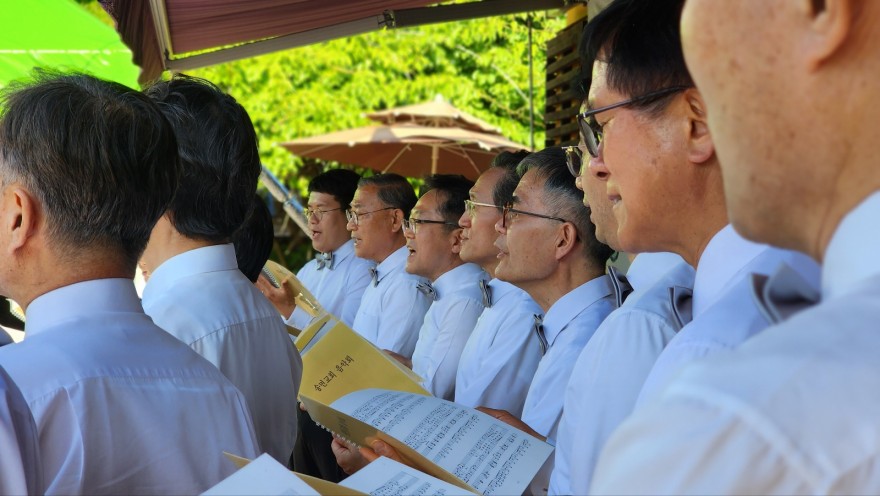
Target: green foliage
(480, 66)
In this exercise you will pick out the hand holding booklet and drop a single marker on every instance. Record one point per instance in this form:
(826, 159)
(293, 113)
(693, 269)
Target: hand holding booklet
(451, 442)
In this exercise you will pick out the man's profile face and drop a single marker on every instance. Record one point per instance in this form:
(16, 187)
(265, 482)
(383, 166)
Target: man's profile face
(526, 243)
(592, 183)
(478, 227)
(328, 233)
(372, 231)
(431, 244)
(643, 162)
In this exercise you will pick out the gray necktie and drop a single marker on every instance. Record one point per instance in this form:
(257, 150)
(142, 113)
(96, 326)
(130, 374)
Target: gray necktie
(620, 284)
(682, 304)
(428, 290)
(486, 290)
(539, 330)
(374, 273)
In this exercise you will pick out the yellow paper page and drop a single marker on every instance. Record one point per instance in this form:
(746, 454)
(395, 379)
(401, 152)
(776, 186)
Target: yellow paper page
(303, 297)
(342, 361)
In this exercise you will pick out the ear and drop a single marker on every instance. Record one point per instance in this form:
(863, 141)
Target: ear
(700, 145)
(20, 218)
(455, 236)
(396, 220)
(829, 24)
(566, 240)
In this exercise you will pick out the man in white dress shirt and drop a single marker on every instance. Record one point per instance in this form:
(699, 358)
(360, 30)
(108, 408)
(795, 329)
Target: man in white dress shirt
(793, 410)
(392, 308)
(196, 291)
(433, 239)
(673, 201)
(548, 248)
(335, 276)
(612, 368)
(20, 462)
(86, 168)
(502, 354)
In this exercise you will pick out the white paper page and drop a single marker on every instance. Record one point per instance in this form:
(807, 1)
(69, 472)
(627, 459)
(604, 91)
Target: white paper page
(264, 475)
(489, 455)
(386, 477)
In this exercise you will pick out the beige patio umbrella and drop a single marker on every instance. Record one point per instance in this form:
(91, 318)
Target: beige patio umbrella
(435, 113)
(408, 150)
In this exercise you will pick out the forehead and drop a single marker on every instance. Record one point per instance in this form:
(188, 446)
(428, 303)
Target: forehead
(599, 94)
(530, 188)
(323, 199)
(485, 185)
(428, 202)
(366, 195)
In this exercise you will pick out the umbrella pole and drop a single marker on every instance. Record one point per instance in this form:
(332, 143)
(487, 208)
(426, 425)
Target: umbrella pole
(435, 154)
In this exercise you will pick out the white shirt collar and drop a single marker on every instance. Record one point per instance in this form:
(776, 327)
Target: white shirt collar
(573, 304)
(464, 274)
(75, 301)
(207, 259)
(852, 254)
(725, 255)
(648, 268)
(396, 259)
(344, 251)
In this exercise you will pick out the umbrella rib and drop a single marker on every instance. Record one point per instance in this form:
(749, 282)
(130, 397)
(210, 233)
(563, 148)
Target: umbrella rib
(394, 160)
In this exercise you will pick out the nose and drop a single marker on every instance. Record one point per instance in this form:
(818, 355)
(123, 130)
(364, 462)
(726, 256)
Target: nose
(408, 234)
(499, 226)
(465, 220)
(597, 167)
(351, 226)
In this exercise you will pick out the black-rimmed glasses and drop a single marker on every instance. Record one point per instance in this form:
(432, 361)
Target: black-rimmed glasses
(573, 159)
(411, 225)
(590, 131)
(319, 214)
(471, 207)
(509, 214)
(354, 217)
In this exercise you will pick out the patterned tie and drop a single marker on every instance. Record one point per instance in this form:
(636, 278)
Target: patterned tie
(539, 330)
(428, 290)
(374, 273)
(324, 260)
(681, 299)
(487, 293)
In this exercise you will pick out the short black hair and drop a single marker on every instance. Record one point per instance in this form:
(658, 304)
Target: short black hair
(340, 183)
(564, 199)
(100, 158)
(641, 42)
(253, 242)
(453, 190)
(508, 161)
(218, 149)
(393, 191)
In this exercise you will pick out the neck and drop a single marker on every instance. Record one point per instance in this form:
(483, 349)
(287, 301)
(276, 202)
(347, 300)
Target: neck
(563, 280)
(448, 265)
(396, 243)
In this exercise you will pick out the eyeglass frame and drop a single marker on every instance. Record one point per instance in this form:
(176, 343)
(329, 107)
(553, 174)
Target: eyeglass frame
(354, 217)
(319, 214)
(410, 224)
(593, 138)
(571, 152)
(508, 207)
(470, 207)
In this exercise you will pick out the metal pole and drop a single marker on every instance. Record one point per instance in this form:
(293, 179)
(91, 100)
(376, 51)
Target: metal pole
(531, 90)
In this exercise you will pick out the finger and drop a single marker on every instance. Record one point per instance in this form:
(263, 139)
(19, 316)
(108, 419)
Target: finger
(368, 453)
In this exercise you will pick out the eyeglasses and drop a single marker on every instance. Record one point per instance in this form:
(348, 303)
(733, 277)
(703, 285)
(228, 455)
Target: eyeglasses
(471, 207)
(319, 214)
(411, 225)
(355, 217)
(591, 133)
(509, 214)
(573, 159)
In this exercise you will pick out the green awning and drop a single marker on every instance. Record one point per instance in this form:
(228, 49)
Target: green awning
(60, 34)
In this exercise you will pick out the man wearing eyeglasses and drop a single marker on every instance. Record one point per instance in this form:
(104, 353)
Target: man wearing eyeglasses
(433, 239)
(793, 111)
(548, 248)
(392, 308)
(503, 351)
(336, 276)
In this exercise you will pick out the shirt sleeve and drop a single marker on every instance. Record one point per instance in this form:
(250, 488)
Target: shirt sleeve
(688, 446)
(455, 327)
(20, 462)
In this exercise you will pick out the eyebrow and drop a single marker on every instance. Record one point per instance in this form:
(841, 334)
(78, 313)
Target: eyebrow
(515, 199)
